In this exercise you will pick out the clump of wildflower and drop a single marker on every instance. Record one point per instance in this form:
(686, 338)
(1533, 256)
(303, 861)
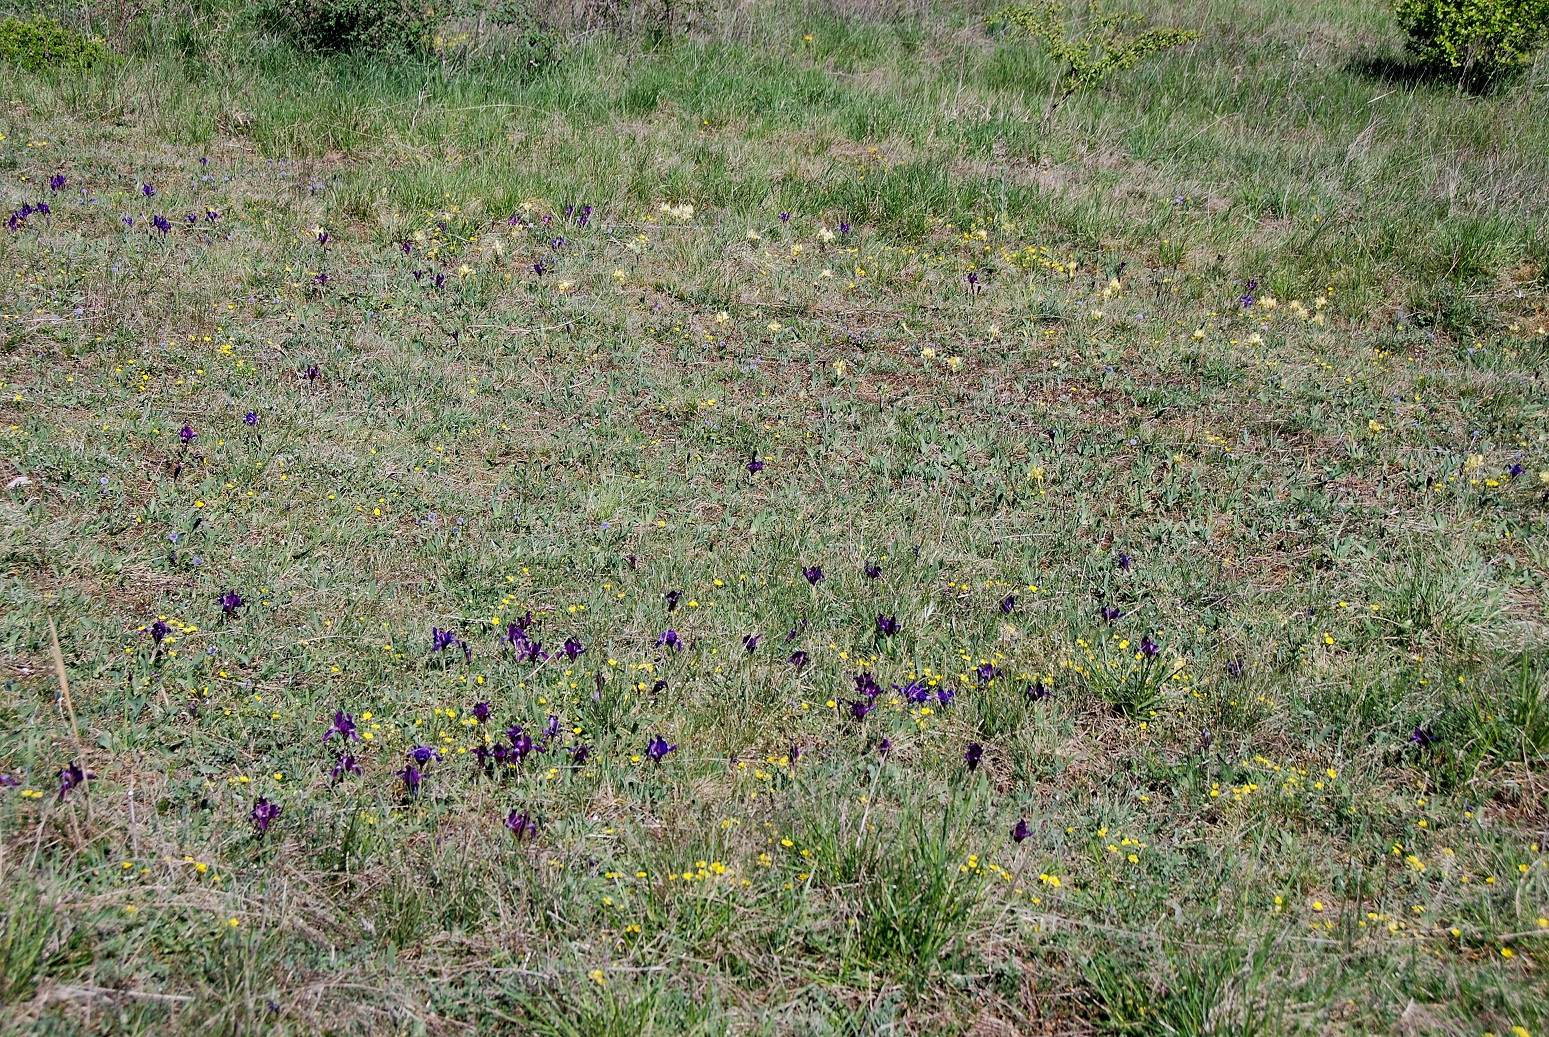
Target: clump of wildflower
(263, 814)
(230, 601)
(343, 726)
(521, 825)
(657, 748)
(70, 776)
(670, 640)
(412, 778)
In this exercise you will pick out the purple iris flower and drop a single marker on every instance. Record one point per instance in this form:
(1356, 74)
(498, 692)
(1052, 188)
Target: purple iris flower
(885, 746)
(1148, 648)
(750, 641)
(798, 628)
(915, 691)
(551, 729)
(530, 650)
(161, 224)
(1515, 469)
(1247, 297)
(658, 686)
(322, 237)
(481, 712)
(580, 754)
(1021, 831)
(522, 745)
(343, 726)
(147, 190)
(672, 598)
(1236, 668)
(1008, 604)
(844, 228)
(441, 640)
(813, 573)
(1036, 691)
(423, 754)
(944, 697)
(186, 434)
(799, 659)
(785, 217)
(230, 602)
(1110, 613)
(56, 182)
(411, 778)
(263, 814)
(873, 570)
(670, 640)
(212, 215)
(8, 781)
(521, 824)
(987, 672)
(573, 649)
(250, 419)
(538, 268)
(887, 626)
(974, 755)
(71, 776)
(159, 630)
(858, 708)
(1422, 737)
(1123, 561)
(345, 765)
(866, 684)
(657, 748)
(754, 464)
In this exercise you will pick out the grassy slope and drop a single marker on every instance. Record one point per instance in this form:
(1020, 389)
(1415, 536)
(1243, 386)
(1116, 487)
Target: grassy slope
(1326, 540)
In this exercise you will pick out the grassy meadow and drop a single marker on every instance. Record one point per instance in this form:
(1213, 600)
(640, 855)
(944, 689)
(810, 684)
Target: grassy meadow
(752, 529)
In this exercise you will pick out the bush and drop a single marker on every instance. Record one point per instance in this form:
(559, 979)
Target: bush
(337, 26)
(42, 43)
(1087, 46)
(1479, 38)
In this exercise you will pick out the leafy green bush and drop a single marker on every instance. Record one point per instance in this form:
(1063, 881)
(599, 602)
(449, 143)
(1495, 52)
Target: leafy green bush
(337, 26)
(43, 43)
(1481, 38)
(1089, 48)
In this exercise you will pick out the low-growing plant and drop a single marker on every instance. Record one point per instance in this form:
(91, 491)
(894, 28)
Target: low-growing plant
(1479, 39)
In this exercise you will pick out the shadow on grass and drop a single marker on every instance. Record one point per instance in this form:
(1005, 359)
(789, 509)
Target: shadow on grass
(1409, 72)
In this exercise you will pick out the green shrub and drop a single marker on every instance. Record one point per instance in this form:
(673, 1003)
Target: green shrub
(1087, 46)
(42, 43)
(1480, 38)
(337, 26)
